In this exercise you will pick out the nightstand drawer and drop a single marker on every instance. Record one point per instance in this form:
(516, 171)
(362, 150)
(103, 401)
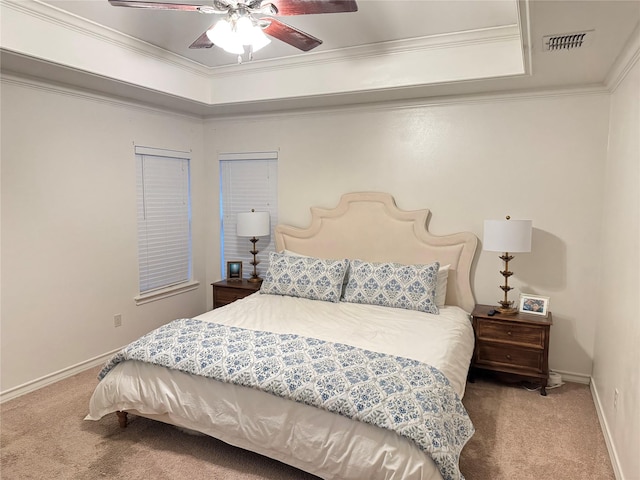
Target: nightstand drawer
(227, 291)
(517, 358)
(516, 334)
(224, 295)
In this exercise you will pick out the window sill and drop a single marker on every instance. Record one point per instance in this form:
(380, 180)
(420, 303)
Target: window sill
(166, 292)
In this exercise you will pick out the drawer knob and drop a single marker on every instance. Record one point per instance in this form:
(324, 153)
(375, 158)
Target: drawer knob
(508, 357)
(509, 333)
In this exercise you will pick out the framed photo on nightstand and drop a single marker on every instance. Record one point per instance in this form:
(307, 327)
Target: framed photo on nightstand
(534, 304)
(234, 270)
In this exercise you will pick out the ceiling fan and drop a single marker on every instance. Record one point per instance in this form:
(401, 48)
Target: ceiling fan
(246, 22)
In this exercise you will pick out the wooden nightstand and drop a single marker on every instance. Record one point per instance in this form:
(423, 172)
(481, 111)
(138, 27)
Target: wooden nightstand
(228, 291)
(515, 344)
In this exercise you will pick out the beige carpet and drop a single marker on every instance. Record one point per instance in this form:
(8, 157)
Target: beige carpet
(520, 435)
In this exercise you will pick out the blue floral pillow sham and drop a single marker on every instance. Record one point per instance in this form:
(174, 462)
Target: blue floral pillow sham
(412, 287)
(304, 277)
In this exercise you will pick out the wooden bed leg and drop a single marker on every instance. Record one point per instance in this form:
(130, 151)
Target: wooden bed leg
(122, 418)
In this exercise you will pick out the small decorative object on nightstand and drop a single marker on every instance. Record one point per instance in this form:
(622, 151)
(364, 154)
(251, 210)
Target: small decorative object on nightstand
(516, 344)
(225, 292)
(234, 271)
(533, 304)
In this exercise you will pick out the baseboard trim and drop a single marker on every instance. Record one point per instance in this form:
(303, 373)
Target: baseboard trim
(54, 377)
(613, 455)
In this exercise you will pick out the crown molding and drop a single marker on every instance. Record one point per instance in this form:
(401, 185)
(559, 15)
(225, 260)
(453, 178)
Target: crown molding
(524, 27)
(92, 96)
(491, 97)
(62, 19)
(503, 34)
(335, 106)
(625, 61)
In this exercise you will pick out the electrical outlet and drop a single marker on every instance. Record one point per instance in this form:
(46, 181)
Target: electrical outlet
(615, 399)
(117, 320)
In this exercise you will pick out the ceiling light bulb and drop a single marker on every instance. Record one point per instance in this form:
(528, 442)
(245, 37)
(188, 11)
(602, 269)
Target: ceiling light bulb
(234, 46)
(224, 37)
(258, 39)
(244, 30)
(220, 31)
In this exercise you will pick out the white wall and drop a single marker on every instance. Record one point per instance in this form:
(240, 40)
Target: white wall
(68, 237)
(539, 158)
(617, 352)
(69, 248)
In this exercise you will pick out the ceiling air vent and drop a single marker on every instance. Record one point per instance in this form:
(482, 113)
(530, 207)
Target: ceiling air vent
(567, 41)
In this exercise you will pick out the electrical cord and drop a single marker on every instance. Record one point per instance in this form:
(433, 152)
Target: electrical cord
(555, 381)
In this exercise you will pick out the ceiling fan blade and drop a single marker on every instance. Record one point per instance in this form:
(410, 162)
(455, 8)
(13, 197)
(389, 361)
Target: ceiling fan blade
(291, 35)
(310, 7)
(202, 41)
(155, 5)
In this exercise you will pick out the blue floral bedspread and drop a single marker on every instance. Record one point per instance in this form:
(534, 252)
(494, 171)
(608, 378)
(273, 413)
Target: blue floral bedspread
(409, 397)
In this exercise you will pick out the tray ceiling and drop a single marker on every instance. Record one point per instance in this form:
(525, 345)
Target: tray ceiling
(388, 50)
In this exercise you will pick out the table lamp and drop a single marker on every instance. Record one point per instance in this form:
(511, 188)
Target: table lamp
(508, 236)
(253, 224)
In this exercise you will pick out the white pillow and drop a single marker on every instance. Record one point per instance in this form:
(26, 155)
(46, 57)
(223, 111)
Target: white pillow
(441, 287)
(295, 254)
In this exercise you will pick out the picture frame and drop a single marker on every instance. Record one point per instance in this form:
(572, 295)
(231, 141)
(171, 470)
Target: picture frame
(534, 305)
(234, 270)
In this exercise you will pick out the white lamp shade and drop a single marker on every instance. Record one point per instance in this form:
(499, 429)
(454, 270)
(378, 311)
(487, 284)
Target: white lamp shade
(507, 236)
(253, 224)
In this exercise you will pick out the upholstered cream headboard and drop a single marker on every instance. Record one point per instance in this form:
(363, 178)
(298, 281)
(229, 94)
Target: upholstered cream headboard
(369, 226)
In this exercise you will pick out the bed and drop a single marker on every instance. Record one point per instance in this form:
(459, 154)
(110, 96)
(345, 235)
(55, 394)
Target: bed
(367, 350)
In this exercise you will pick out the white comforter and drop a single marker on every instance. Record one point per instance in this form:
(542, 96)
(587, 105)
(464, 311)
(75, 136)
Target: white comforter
(317, 441)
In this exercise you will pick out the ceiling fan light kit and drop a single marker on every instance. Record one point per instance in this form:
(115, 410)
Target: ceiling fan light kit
(232, 35)
(246, 23)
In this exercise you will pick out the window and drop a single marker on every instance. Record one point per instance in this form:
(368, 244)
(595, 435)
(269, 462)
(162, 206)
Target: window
(164, 218)
(247, 180)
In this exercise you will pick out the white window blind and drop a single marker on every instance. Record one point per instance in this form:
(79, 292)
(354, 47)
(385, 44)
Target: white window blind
(164, 218)
(247, 181)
